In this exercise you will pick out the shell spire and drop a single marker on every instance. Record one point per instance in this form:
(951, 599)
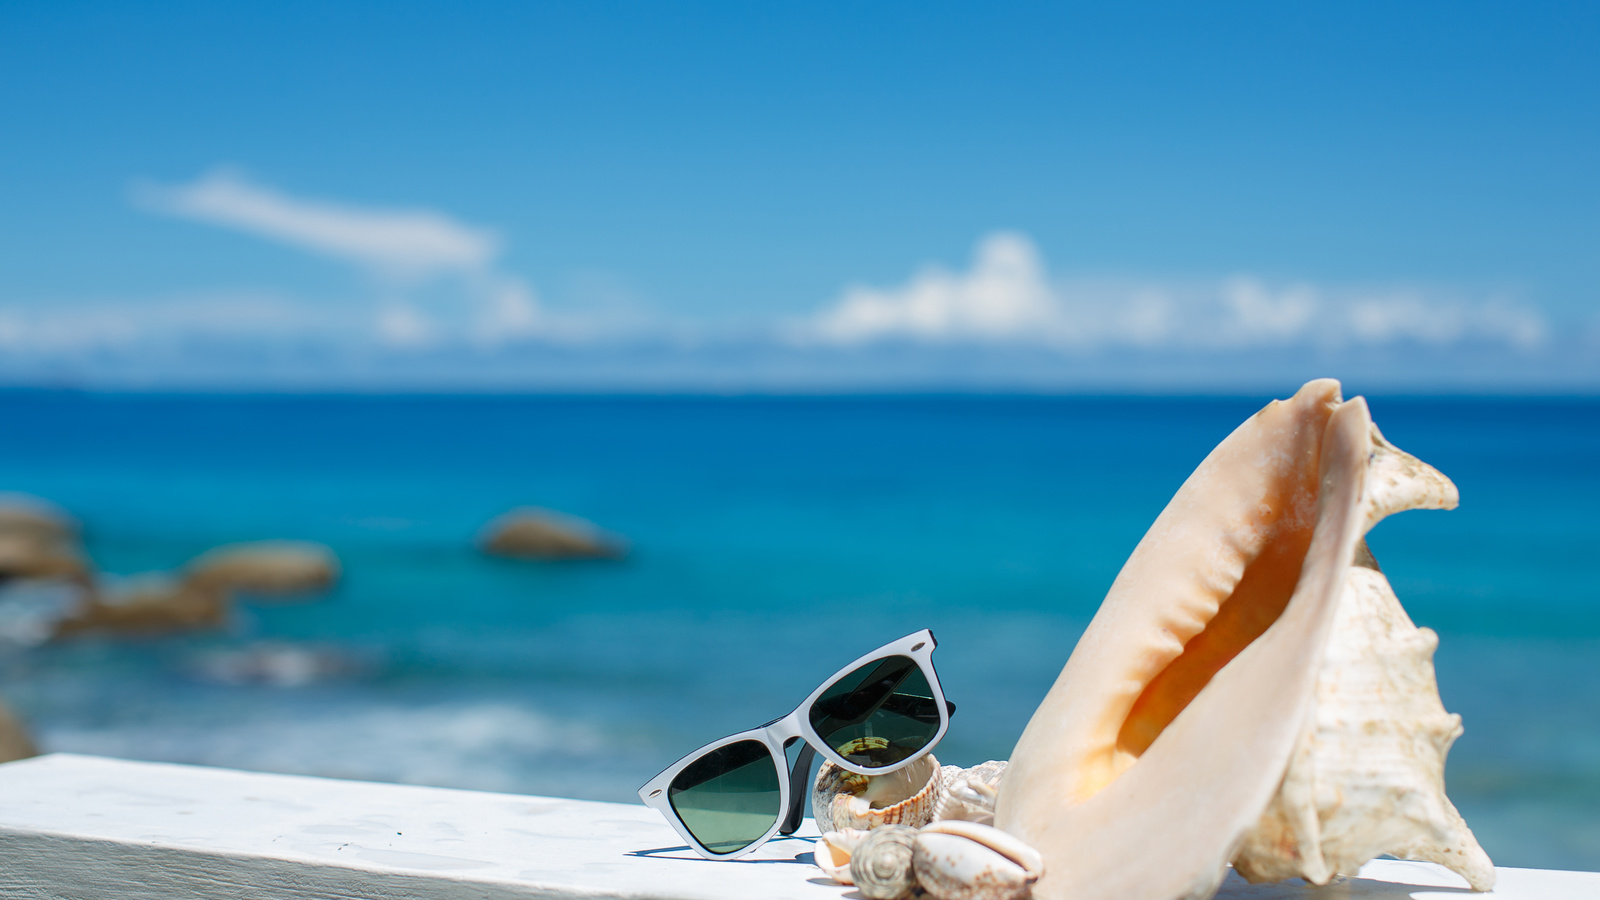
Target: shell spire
(1398, 481)
(1373, 750)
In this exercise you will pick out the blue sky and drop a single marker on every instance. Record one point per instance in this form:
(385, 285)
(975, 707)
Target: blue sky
(738, 196)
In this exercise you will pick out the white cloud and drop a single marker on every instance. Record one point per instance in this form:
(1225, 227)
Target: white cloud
(1260, 316)
(1147, 318)
(393, 241)
(511, 311)
(479, 304)
(404, 327)
(1381, 320)
(452, 303)
(1008, 296)
(101, 325)
(1003, 296)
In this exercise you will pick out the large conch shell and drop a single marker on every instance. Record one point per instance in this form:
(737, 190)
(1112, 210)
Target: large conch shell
(842, 800)
(1214, 705)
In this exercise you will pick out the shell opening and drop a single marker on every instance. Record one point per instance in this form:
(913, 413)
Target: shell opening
(902, 784)
(1259, 598)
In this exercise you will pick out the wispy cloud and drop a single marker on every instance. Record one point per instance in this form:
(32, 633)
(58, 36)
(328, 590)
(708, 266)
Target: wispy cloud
(403, 247)
(84, 327)
(442, 309)
(1007, 296)
(403, 242)
(1258, 315)
(1398, 317)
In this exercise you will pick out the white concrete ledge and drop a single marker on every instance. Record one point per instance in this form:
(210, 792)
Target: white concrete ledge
(87, 828)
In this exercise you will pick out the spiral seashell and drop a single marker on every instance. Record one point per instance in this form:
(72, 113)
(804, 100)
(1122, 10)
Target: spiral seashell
(832, 853)
(881, 864)
(842, 800)
(956, 860)
(969, 794)
(968, 801)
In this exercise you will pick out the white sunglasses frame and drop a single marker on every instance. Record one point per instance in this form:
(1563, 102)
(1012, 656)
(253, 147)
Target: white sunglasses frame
(918, 646)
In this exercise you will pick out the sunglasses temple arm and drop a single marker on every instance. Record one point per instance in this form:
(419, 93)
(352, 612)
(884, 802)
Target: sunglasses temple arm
(799, 776)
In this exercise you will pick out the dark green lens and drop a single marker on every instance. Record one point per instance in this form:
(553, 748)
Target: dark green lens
(878, 714)
(729, 797)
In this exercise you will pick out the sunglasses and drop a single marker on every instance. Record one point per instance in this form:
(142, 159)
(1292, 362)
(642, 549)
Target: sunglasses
(880, 713)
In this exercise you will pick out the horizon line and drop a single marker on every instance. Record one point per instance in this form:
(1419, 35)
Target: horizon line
(1480, 392)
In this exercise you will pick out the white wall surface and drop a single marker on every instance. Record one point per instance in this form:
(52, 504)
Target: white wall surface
(88, 828)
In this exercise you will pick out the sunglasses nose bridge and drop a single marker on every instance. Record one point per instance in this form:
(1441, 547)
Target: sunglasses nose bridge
(780, 732)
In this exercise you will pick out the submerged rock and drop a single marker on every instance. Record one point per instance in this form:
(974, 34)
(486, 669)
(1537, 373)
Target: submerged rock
(148, 605)
(201, 595)
(32, 609)
(40, 555)
(533, 533)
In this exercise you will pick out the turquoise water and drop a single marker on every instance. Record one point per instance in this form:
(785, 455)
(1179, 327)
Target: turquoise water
(774, 539)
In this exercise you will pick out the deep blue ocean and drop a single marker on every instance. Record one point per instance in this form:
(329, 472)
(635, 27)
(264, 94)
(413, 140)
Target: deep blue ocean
(774, 539)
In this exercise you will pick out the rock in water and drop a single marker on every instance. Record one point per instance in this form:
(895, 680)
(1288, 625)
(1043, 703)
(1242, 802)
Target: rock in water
(533, 533)
(265, 568)
(26, 556)
(27, 514)
(148, 605)
(14, 742)
(203, 596)
(38, 540)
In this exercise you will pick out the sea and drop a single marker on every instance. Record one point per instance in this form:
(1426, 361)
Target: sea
(773, 539)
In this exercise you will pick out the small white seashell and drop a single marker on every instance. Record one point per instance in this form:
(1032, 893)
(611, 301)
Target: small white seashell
(957, 860)
(842, 800)
(881, 864)
(969, 794)
(832, 853)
